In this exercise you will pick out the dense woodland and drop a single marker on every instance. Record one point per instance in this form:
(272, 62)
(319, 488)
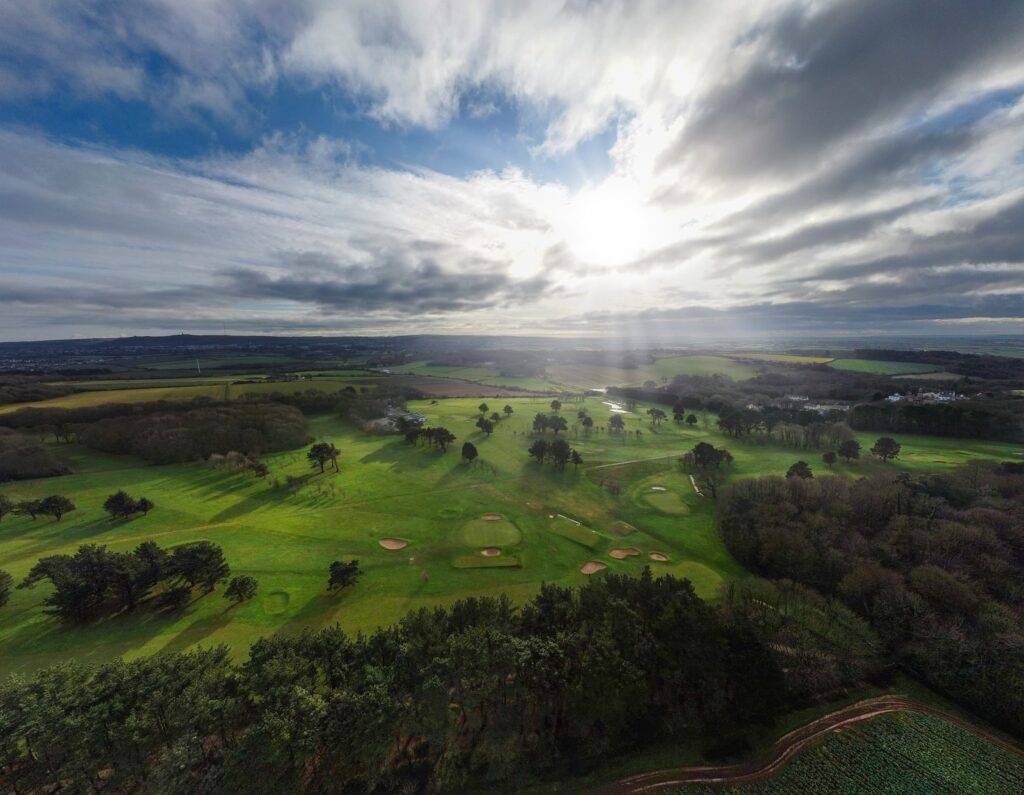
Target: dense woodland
(250, 428)
(23, 457)
(935, 563)
(998, 420)
(480, 693)
(967, 364)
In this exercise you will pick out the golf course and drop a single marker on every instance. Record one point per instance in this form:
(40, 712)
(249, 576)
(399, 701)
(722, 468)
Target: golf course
(427, 527)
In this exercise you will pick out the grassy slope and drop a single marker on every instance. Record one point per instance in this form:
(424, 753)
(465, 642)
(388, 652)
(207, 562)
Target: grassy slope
(883, 368)
(482, 375)
(385, 488)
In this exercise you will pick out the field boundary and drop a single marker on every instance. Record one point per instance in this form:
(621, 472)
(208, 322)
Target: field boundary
(790, 745)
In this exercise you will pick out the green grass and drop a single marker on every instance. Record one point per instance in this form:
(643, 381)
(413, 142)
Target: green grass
(898, 752)
(386, 488)
(488, 533)
(883, 368)
(484, 562)
(480, 375)
(580, 534)
(785, 358)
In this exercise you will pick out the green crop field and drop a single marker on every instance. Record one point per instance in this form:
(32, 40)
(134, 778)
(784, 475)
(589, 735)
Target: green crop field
(900, 752)
(883, 368)
(285, 534)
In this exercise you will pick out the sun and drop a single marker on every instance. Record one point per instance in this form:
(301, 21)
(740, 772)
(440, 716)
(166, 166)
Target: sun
(608, 224)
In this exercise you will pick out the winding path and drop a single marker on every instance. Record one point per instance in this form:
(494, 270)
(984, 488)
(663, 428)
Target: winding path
(793, 743)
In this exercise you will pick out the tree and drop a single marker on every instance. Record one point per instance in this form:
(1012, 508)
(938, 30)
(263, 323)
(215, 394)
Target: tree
(322, 452)
(6, 506)
(575, 458)
(143, 506)
(557, 423)
(28, 508)
(199, 563)
(849, 450)
(341, 575)
(56, 505)
(587, 423)
(678, 412)
(469, 452)
(691, 419)
(241, 588)
(886, 448)
(556, 405)
(442, 437)
(616, 423)
(507, 410)
(558, 452)
(706, 461)
(483, 408)
(539, 449)
(5, 587)
(540, 423)
(495, 417)
(656, 415)
(829, 458)
(485, 425)
(119, 505)
(801, 469)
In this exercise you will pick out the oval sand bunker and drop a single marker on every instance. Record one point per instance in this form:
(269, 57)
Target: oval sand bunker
(627, 552)
(658, 557)
(393, 543)
(492, 517)
(490, 552)
(592, 567)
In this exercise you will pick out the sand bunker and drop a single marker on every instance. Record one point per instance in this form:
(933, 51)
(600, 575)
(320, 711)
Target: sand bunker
(492, 517)
(658, 488)
(393, 543)
(627, 552)
(592, 567)
(490, 552)
(658, 557)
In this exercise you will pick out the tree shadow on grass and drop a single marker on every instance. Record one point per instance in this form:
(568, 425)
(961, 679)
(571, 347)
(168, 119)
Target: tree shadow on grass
(197, 631)
(402, 456)
(53, 535)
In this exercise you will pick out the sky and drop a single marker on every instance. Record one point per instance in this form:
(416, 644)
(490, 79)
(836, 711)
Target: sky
(669, 170)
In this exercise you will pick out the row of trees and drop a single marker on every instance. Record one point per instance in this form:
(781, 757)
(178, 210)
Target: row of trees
(433, 437)
(558, 453)
(56, 505)
(480, 694)
(96, 581)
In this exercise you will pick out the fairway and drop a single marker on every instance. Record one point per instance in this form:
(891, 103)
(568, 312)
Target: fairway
(286, 537)
(878, 367)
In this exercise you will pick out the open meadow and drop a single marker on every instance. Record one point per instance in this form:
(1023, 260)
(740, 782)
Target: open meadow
(627, 496)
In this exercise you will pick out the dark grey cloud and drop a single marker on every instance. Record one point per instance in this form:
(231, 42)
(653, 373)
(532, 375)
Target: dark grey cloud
(823, 76)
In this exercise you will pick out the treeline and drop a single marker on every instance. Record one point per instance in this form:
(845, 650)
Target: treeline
(974, 365)
(250, 428)
(476, 694)
(935, 564)
(24, 458)
(998, 420)
(96, 582)
(25, 390)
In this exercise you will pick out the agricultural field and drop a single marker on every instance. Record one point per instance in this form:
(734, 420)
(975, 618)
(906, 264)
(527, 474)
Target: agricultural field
(215, 390)
(784, 358)
(285, 529)
(878, 367)
(482, 375)
(905, 752)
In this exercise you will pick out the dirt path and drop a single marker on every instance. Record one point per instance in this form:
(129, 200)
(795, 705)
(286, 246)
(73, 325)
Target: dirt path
(793, 743)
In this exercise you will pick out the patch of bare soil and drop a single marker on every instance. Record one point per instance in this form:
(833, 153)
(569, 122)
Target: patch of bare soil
(393, 543)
